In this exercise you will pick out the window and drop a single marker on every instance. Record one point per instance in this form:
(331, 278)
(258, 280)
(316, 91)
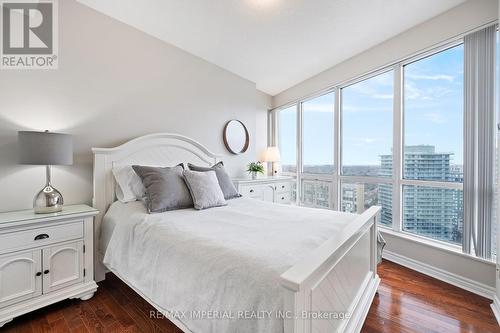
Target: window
(367, 126)
(317, 146)
(366, 113)
(411, 166)
(433, 117)
(287, 138)
(433, 137)
(357, 197)
(317, 137)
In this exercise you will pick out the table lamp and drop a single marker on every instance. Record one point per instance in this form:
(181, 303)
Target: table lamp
(46, 148)
(272, 155)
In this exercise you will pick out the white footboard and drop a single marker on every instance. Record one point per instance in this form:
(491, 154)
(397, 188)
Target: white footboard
(332, 289)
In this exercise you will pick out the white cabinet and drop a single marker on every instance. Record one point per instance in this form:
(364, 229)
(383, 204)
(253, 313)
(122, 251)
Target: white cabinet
(45, 258)
(272, 189)
(20, 276)
(62, 266)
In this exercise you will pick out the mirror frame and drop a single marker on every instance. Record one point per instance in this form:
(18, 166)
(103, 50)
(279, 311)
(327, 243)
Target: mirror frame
(226, 143)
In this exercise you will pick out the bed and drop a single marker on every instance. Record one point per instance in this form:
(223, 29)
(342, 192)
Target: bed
(250, 266)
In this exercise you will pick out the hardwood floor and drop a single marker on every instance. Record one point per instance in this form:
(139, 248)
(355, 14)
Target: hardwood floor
(407, 301)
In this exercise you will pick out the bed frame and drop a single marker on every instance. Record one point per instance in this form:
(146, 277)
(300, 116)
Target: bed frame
(336, 282)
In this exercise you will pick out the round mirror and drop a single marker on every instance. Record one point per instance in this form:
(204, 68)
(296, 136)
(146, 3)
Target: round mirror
(236, 137)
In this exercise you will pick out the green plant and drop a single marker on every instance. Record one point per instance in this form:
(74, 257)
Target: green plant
(255, 167)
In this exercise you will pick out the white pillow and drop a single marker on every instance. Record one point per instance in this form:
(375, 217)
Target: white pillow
(129, 186)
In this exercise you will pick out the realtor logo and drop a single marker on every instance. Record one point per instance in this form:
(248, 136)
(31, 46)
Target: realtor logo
(29, 34)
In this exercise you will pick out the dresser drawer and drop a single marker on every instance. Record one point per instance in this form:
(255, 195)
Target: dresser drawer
(283, 198)
(251, 191)
(283, 187)
(41, 236)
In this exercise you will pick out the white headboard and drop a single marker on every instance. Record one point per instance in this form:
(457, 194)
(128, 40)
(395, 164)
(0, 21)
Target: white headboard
(161, 149)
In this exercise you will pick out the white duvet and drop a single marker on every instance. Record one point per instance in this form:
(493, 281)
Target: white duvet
(223, 261)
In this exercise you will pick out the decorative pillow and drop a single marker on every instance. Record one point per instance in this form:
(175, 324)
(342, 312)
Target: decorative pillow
(128, 184)
(223, 178)
(204, 188)
(165, 188)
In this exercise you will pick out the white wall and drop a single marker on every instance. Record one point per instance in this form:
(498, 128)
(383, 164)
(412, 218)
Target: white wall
(264, 102)
(115, 83)
(454, 22)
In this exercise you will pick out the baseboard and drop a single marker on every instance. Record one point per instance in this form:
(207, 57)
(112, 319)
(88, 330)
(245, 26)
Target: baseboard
(495, 307)
(437, 273)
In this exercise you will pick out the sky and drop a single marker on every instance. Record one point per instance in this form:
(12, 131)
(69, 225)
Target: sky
(433, 104)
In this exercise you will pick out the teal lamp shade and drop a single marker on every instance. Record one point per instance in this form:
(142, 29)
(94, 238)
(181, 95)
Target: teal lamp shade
(46, 148)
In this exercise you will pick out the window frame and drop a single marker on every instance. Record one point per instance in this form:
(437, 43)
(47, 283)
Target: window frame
(274, 118)
(397, 180)
(401, 144)
(340, 138)
(362, 179)
(320, 176)
(308, 176)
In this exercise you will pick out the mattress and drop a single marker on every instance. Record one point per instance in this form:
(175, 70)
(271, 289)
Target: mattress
(215, 270)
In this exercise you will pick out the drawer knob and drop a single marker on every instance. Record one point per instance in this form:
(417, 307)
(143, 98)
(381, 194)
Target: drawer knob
(282, 186)
(41, 236)
(251, 191)
(282, 198)
(38, 273)
(46, 271)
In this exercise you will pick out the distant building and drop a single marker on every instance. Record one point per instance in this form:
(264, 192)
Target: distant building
(316, 193)
(427, 211)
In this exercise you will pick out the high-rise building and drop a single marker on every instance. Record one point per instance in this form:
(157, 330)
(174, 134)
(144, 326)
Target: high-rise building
(427, 211)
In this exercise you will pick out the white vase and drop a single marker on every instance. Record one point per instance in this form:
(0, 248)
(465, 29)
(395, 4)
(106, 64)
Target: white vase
(254, 175)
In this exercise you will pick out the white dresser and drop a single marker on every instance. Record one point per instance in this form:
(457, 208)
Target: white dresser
(276, 189)
(45, 258)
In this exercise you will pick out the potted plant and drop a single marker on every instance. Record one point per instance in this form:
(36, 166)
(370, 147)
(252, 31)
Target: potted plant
(254, 168)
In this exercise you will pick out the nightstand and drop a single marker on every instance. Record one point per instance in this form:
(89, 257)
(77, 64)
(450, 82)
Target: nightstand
(45, 258)
(277, 189)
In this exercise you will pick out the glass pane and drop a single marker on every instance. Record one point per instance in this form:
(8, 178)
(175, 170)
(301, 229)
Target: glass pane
(287, 138)
(318, 134)
(316, 193)
(433, 117)
(432, 212)
(357, 197)
(367, 126)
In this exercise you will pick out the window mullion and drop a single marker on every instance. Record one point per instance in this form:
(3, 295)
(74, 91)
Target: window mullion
(337, 148)
(433, 183)
(299, 154)
(397, 144)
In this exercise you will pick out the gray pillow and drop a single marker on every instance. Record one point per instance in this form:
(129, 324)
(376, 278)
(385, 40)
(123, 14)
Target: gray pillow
(204, 188)
(225, 182)
(165, 188)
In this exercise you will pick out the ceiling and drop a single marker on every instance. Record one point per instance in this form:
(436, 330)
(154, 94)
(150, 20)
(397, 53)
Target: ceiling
(274, 43)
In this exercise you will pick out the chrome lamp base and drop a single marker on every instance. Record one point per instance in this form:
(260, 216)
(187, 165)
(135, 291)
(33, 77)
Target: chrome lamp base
(49, 199)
